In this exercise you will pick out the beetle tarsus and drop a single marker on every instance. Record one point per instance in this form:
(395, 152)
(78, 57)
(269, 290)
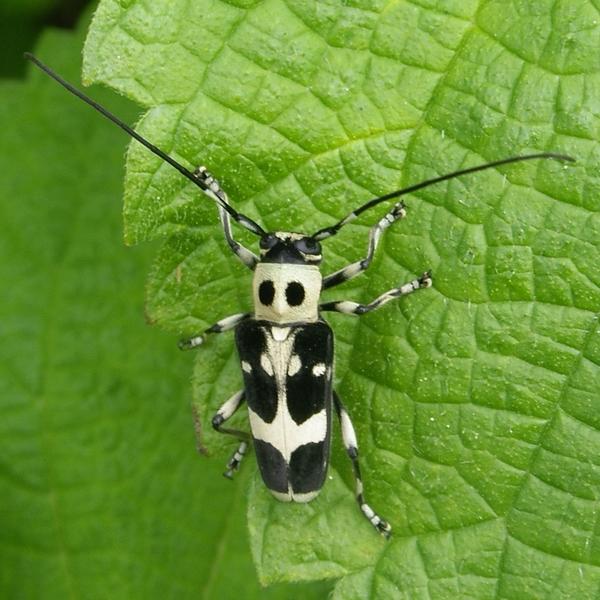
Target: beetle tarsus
(191, 343)
(426, 280)
(234, 462)
(385, 529)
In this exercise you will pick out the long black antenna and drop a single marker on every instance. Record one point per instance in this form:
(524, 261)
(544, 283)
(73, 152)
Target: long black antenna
(239, 217)
(332, 230)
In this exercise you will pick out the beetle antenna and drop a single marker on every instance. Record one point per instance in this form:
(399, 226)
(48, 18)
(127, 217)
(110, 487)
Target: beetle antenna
(239, 217)
(332, 230)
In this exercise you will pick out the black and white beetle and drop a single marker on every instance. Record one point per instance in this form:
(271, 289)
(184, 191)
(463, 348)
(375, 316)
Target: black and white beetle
(285, 347)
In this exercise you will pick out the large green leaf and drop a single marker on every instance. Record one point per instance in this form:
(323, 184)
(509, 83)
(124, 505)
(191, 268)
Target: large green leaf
(102, 494)
(476, 402)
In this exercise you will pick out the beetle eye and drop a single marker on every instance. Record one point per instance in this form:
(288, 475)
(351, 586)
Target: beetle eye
(308, 245)
(267, 241)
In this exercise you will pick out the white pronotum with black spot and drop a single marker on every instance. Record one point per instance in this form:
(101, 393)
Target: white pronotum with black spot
(285, 346)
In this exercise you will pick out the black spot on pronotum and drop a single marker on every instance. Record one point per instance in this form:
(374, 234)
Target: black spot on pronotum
(266, 292)
(294, 293)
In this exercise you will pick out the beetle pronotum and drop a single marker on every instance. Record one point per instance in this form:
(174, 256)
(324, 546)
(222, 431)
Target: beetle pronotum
(285, 347)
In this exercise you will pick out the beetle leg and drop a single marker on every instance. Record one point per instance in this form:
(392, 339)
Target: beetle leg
(236, 458)
(351, 445)
(212, 186)
(225, 412)
(348, 307)
(225, 324)
(398, 212)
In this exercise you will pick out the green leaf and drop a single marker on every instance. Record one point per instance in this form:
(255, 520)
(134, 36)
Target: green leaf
(103, 495)
(476, 402)
(21, 22)
(27, 8)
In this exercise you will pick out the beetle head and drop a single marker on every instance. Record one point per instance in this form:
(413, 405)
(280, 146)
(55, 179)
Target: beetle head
(289, 248)
(287, 281)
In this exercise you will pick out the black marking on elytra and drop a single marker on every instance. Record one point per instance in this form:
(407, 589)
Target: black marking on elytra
(266, 292)
(306, 394)
(308, 466)
(315, 341)
(273, 468)
(261, 389)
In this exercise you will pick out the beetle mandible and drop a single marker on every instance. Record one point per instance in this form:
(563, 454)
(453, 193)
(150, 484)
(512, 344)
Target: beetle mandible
(285, 346)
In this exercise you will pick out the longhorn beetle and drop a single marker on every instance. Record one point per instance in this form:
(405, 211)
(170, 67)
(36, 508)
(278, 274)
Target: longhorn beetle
(284, 345)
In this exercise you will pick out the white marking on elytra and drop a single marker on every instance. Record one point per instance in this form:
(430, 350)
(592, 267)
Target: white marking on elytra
(246, 367)
(295, 365)
(319, 369)
(266, 364)
(306, 497)
(285, 434)
(282, 496)
(290, 495)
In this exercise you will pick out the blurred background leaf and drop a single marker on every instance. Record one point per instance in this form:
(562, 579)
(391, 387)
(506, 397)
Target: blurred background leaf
(21, 23)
